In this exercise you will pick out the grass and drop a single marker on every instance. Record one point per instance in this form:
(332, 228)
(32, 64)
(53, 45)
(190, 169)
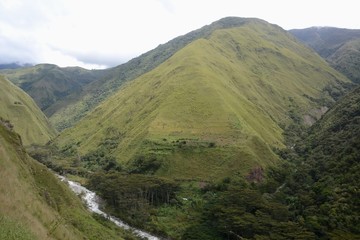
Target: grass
(12, 230)
(23, 113)
(76, 106)
(235, 88)
(35, 203)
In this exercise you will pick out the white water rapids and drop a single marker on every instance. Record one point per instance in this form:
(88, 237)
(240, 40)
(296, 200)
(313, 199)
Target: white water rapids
(92, 202)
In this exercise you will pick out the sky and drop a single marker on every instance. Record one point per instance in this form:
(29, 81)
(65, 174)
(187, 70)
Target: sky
(105, 33)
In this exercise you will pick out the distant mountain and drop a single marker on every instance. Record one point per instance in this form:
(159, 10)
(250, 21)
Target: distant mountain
(217, 106)
(35, 205)
(24, 114)
(340, 47)
(47, 83)
(14, 65)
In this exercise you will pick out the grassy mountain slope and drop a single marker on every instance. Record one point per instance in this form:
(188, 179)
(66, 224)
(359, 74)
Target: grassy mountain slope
(21, 110)
(47, 83)
(219, 102)
(340, 47)
(36, 205)
(97, 91)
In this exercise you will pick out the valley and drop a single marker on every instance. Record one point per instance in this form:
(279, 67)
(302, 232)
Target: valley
(236, 130)
(36, 205)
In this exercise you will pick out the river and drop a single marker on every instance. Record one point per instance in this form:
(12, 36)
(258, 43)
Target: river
(92, 203)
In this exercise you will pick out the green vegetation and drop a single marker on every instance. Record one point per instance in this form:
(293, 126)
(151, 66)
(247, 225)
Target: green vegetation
(210, 140)
(203, 146)
(78, 105)
(227, 209)
(312, 195)
(347, 60)
(133, 197)
(237, 88)
(36, 205)
(12, 230)
(234, 211)
(49, 85)
(322, 187)
(26, 118)
(340, 47)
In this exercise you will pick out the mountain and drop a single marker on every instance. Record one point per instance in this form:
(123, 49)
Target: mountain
(331, 163)
(47, 84)
(94, 93)
(340, 47)
(313, 195)
(23, 113)
(36, 205)
(321, 185)
(14, 65)
(222, 101)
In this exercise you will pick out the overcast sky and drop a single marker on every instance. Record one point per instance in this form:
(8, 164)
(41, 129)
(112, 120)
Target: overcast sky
(104, 33)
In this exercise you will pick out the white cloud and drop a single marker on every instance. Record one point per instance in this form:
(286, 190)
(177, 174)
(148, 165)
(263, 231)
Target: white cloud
(107, 32)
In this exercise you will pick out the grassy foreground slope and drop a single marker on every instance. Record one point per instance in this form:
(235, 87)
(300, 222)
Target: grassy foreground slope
(217, 106)
(36, 205)
(24, 114)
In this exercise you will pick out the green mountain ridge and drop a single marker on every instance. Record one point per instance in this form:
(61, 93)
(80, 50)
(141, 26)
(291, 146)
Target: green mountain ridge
(340, 47)
(99, 90)
(23, 113)
(221, 101)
